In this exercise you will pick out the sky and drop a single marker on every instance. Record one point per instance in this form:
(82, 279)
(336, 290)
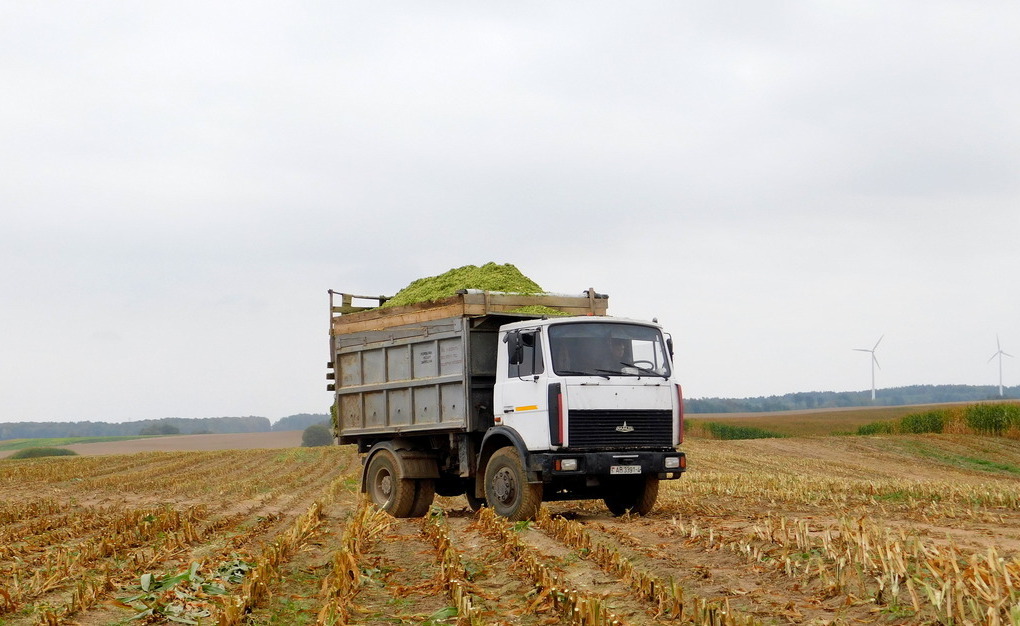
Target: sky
(777, 183)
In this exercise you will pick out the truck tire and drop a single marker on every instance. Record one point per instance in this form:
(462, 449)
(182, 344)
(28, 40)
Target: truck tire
(474, 503)
(507, 490)
(394, 495)
(424, 494)
(634, 496)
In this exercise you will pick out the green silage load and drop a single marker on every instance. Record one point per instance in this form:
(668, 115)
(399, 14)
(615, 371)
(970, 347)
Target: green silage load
(489, 277)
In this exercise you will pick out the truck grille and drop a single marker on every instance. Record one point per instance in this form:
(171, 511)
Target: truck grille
(604, 428)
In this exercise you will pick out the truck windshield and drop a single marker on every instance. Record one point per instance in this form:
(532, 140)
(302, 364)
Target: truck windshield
(607, 349)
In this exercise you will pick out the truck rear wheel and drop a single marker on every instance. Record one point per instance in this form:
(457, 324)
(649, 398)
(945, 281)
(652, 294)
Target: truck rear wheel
(635, 496)
(394, 495)
(507, 489)
(424, 494)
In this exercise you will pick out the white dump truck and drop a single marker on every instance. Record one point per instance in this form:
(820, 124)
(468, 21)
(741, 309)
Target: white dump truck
(480, 395)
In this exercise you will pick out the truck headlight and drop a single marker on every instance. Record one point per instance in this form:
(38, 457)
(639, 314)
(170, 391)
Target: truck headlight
(568, 465)
(672, 462)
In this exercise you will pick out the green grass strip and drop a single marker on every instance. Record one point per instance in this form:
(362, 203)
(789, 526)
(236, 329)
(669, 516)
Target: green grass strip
(727, 431)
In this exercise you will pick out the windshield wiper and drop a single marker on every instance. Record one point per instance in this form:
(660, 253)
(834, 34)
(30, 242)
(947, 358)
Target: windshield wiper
(616, 372)
(650, 372)
(577, 373)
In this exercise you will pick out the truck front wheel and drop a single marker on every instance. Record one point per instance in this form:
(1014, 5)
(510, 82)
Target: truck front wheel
(637, 496)
(507, 489)
(394, 495)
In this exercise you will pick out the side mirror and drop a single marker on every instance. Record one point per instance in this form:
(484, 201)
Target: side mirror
(514, 347)
(669, 346)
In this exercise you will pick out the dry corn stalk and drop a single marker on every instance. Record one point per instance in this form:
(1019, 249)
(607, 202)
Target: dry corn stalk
(344, 580)
(435, 528)
(580, 607)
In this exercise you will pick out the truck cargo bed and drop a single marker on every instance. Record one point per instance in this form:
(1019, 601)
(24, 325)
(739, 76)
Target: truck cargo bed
(470, 303)
(427, 367)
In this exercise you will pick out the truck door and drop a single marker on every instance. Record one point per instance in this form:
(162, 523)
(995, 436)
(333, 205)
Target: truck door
(521, 398)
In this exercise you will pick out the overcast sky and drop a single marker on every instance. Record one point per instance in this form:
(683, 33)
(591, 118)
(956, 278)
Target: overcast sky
(777, 182)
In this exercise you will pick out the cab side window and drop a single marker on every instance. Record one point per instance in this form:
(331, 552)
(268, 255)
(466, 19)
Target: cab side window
(528, 361)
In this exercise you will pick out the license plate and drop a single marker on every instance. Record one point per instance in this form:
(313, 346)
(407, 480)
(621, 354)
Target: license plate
(624, 469)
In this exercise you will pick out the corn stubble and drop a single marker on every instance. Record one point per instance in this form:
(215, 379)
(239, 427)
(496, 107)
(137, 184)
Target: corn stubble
(891, 549)
(871, 550)
(346, 576)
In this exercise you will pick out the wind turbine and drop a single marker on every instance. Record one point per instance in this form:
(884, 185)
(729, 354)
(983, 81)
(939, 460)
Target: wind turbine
(999, 353)
(874, 362)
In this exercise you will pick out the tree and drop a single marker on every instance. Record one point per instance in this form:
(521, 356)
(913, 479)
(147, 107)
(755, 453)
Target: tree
(160, 429)
(317, 435)
(299, 421)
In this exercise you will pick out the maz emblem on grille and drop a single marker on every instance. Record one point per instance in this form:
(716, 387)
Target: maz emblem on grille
(625, 428)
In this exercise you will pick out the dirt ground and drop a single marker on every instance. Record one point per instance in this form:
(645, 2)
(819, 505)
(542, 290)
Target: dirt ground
(174, 443)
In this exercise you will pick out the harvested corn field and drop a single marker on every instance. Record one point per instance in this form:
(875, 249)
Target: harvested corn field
(894, 530)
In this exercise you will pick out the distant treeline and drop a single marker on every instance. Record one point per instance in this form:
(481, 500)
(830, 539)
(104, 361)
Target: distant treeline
(184, 426)
(300, 421)
(895, 396)
(809, 400)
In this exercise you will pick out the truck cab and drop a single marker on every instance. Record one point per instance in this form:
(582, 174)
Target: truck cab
(604, 372)
(594, 401)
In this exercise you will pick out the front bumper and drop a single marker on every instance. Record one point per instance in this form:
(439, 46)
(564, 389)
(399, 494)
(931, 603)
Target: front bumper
(549, 465)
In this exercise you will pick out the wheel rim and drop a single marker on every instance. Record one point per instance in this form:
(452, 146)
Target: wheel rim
(504, 485)
(383, 486)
